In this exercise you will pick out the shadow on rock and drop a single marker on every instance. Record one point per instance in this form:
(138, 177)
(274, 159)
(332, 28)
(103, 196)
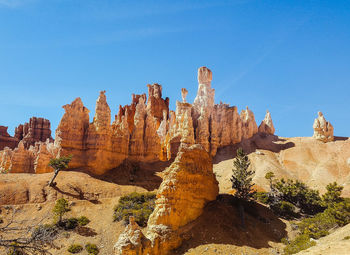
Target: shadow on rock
(258, 141)
(220, 224)
(145, 175)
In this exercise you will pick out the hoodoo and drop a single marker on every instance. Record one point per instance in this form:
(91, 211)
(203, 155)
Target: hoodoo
(323, 130)
(144, 131)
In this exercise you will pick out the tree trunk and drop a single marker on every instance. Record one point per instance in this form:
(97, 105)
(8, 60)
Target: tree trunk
(51, 183)
(241, 213)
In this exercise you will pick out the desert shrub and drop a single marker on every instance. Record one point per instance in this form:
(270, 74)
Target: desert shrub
(317, 226)
(70, 223)
(300, 243)
(262, 197)
(340, 212)
(300, 195)
(75, 248)
(13, 250)
(139, 205)
(346, 238)
(333, 194)
(82, 221)
(60, 208)
(45, 233)
(91, 249)
(285, 209)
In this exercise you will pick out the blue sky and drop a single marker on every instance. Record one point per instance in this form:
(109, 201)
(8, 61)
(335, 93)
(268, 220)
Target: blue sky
(291, 57)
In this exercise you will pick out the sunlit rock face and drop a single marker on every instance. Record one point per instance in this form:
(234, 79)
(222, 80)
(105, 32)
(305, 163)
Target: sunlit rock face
(188, 185)
(37, 130)
(323, 130)
(266, 126)
(144, 131)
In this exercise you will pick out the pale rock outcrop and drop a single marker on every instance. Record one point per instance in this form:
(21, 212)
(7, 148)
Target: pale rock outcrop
(188, 185)
(184, 93)
(266, 125)
(202, 108)
(249, 126)
(45, 151)
(227, 125)
(323, 130)
(181, 129)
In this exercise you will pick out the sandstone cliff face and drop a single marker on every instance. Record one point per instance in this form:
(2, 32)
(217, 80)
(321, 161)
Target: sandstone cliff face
(266, 125)
(143, 131)
(37, 130)
(188, 184)
(323, 130)
(6, 140)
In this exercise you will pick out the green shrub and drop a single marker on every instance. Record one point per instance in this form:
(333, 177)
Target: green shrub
(13, 250)
(300, 243)
(139, 205)
(75, 248)
(82, 221)
(262, 197)
(60, 208)
(333, 194)
(297, 193)
(70, 223)
(317, 226)
(91, 249)
(285, 209)
(346, 238)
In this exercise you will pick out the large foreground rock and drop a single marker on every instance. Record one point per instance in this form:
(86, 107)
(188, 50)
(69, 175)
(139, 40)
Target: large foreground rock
(188, 185)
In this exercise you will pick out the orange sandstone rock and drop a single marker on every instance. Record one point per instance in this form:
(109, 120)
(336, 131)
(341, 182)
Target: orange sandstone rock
(188, 185)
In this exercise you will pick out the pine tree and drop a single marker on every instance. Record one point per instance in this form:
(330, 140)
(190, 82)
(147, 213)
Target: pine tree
(241, 178)
(242, 181)
(58, 164)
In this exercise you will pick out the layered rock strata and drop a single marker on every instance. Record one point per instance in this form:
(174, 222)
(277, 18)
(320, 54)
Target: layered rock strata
(6, 140)
(188, 184)
(37, 130)
(323, 130)
(143, 131)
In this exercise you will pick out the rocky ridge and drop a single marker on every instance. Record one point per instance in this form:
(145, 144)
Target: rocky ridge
(144, 131)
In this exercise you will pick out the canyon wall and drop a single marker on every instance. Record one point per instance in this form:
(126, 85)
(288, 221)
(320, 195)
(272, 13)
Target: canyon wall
(143, 131)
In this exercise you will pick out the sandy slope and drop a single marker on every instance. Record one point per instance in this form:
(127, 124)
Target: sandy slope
(303, 158)
(334, 244)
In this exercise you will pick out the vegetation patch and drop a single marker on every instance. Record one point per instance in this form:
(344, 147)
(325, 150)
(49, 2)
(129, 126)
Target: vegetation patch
(82, 221)
(139, 205)
(91, 249)
(75, 248)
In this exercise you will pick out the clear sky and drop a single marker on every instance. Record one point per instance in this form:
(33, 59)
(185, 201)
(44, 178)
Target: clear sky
(291, 57)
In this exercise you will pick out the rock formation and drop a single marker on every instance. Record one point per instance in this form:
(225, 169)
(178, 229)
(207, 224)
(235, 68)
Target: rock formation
(266, 125)
(188, 184)
(38, 129)
(6, 140)
(323, 130)
(143, 131)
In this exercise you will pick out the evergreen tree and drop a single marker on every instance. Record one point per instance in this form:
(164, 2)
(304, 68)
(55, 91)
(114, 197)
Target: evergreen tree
(333, 194)
(242, 181)
(61, 207)
(58, 164)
